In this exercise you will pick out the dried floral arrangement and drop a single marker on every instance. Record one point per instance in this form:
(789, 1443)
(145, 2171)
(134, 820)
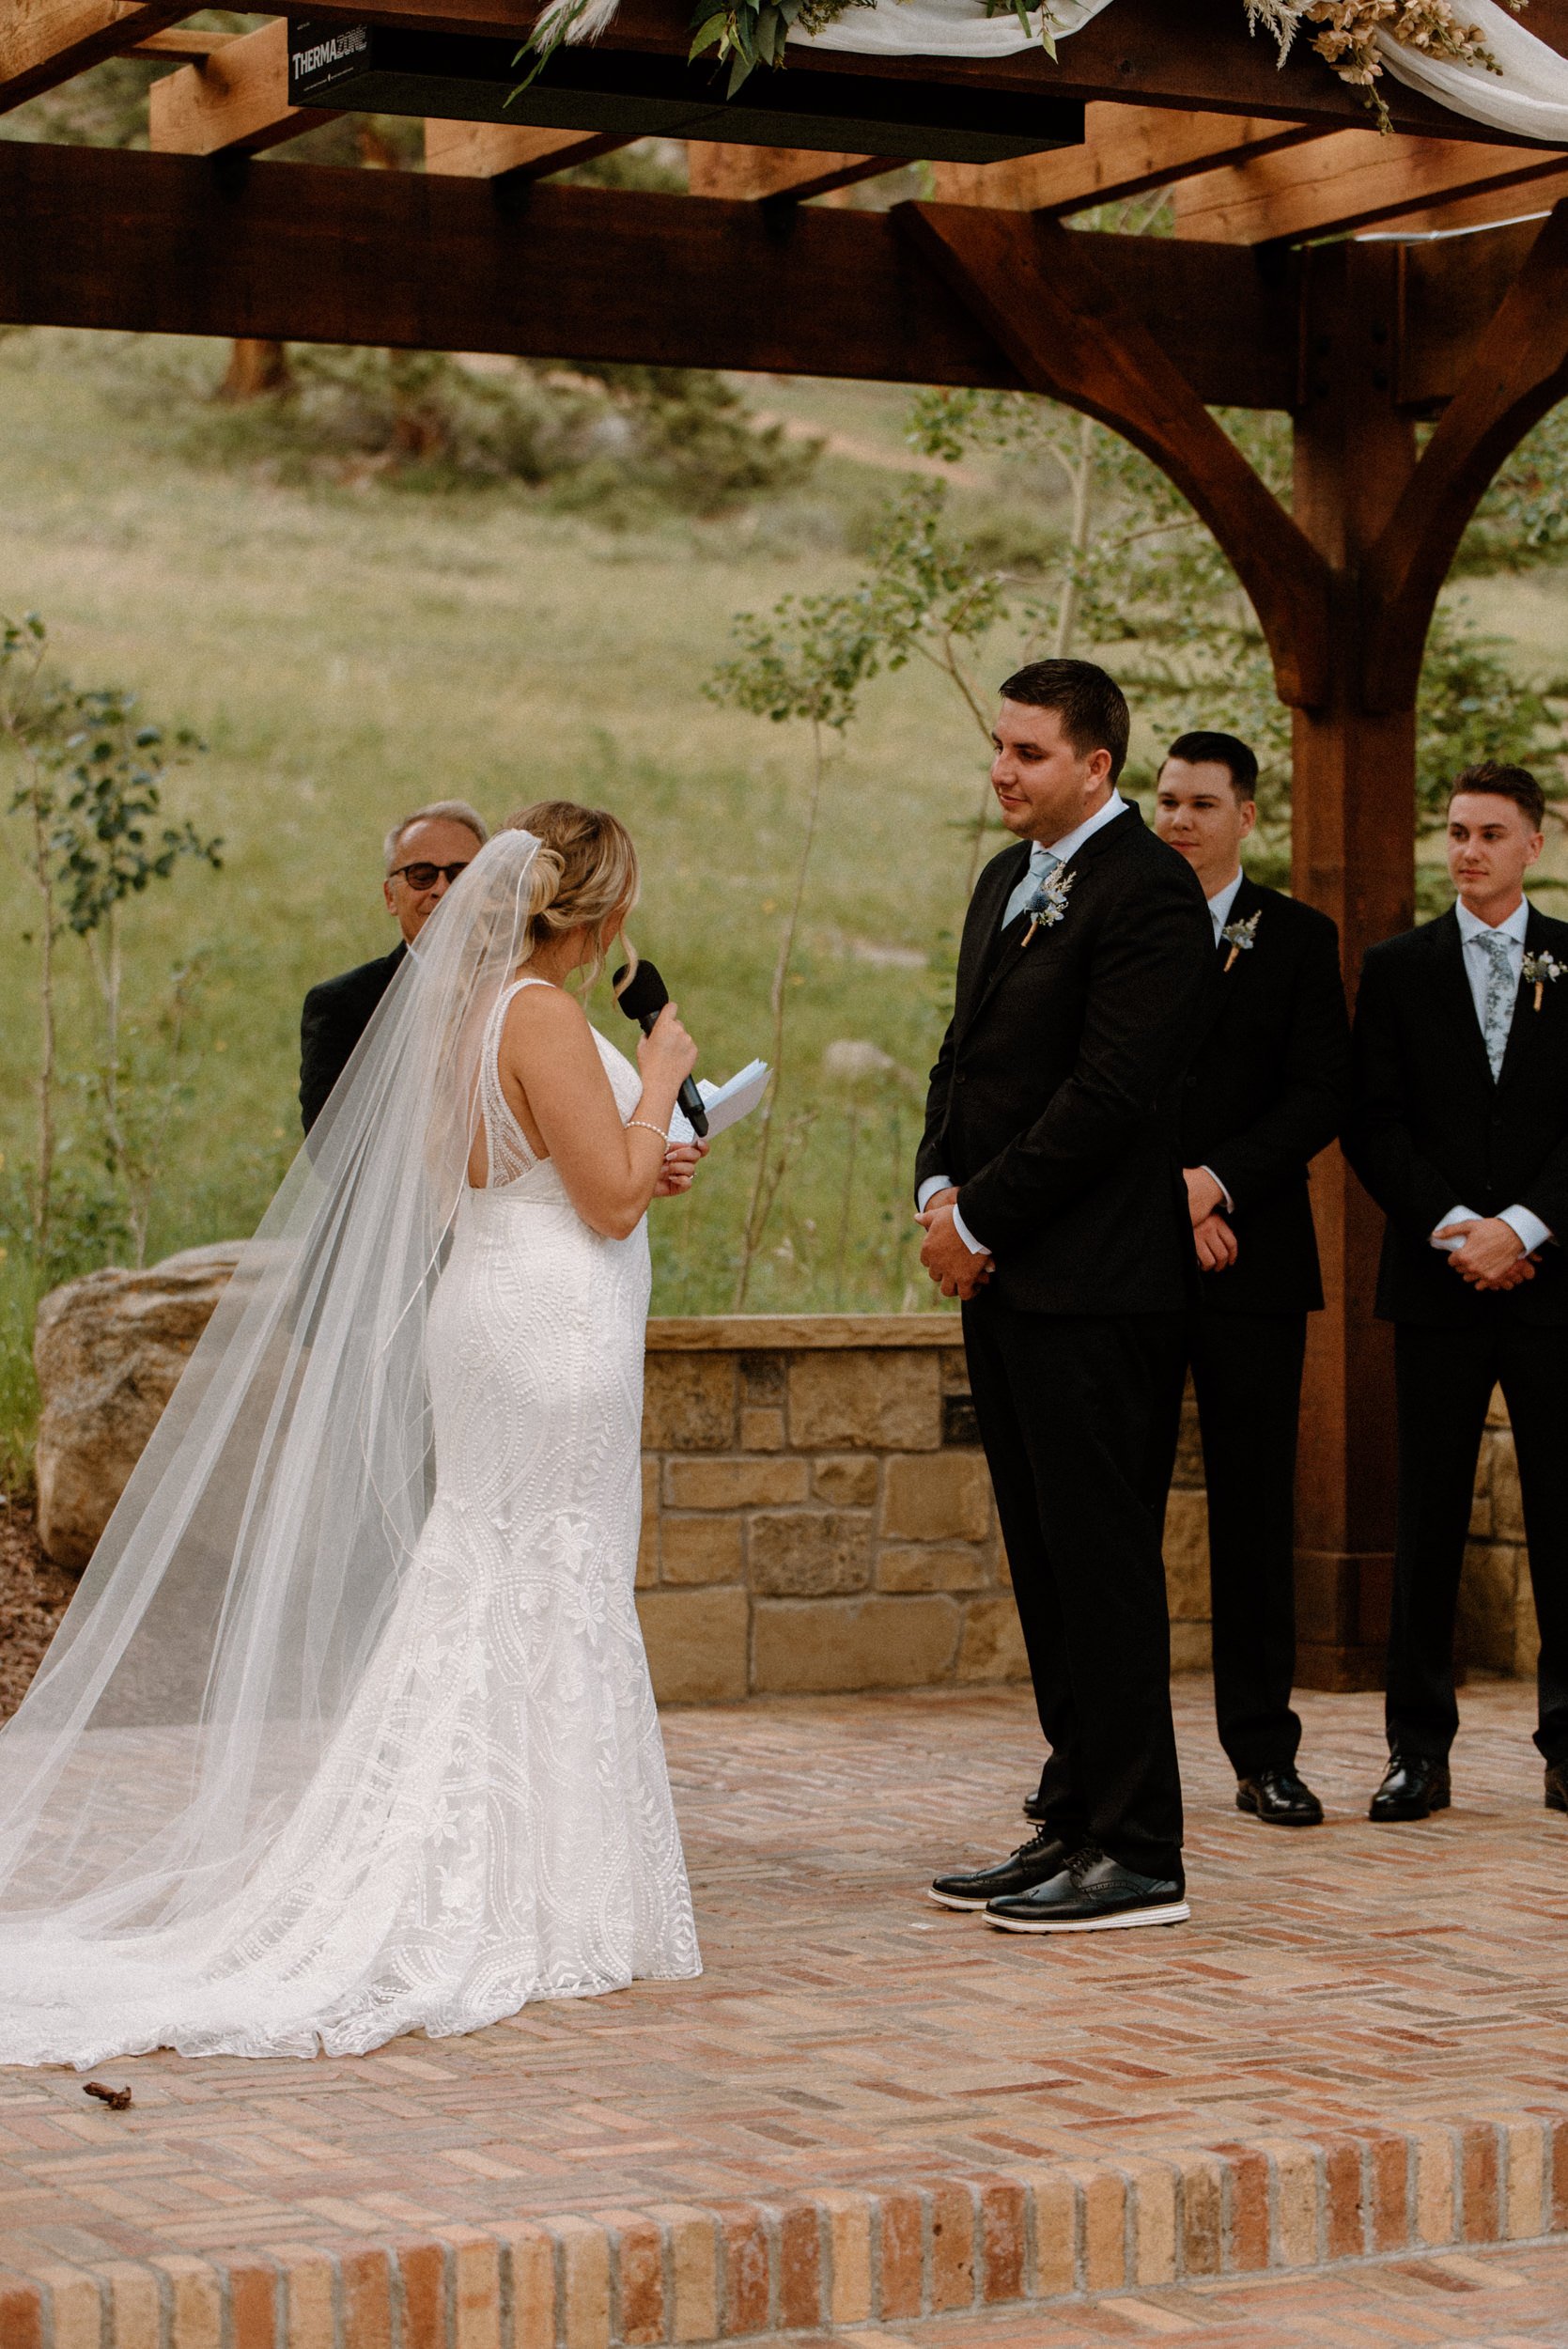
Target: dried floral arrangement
(1345, 33)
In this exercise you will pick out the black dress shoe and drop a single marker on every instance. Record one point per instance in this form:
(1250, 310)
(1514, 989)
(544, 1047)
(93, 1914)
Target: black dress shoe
(1557, 1785)
(1091, 1894)
(1033, 1862)
(1413, 1787)
(1280, 1797)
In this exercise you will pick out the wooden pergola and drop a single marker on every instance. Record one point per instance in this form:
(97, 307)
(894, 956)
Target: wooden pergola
(1263, 297)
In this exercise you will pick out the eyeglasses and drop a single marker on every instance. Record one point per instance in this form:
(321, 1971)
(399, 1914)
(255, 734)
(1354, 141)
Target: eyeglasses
(423, 876)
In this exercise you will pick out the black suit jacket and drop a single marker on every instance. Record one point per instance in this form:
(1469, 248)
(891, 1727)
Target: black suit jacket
(1050, 1104)
(1267, 1090)
(335, 1016)
(1431, 1132)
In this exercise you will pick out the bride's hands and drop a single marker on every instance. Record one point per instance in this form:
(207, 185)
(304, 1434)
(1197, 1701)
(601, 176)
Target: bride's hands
(667, 1054)
(682, 1162)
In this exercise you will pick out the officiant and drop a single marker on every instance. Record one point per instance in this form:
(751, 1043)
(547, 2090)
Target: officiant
(425, 853)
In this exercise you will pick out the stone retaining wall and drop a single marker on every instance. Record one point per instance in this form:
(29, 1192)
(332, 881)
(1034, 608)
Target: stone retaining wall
(817, 1514)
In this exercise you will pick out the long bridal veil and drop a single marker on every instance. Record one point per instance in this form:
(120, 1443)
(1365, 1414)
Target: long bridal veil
(237, 1597)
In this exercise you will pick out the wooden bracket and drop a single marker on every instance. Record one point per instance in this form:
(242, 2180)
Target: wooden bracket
(1033, 286)
(1520, 370)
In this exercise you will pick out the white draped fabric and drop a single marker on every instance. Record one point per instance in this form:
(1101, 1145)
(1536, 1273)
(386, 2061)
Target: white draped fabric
(1527, 98)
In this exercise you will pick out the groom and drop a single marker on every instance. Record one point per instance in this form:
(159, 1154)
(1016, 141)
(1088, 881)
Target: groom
(1046, 1182)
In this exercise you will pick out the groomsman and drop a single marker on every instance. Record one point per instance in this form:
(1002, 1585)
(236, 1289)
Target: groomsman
(1265, 1090)
(1048, 1187)
(1460, 1132)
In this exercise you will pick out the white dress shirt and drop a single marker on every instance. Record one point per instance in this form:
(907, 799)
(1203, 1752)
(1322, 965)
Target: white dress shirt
(1220, 904)
(1061, 852)
(1532, 1232)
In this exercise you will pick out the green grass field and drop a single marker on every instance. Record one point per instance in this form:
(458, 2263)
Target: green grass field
(348, 652)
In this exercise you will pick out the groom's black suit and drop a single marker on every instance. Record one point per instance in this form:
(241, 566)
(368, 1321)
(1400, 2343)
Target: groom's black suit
(1432, 1131)
(1049, 1107)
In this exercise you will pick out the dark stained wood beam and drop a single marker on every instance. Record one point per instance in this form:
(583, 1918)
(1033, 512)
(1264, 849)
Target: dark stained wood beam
(1037, 289)
(1520, 370)
(1179, 54)
(43, 42)
(296, 252)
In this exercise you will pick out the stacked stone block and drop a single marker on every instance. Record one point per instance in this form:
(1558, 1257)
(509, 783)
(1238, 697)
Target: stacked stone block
(817, 1514)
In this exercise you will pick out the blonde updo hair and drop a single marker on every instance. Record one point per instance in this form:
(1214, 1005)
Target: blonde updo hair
(584, 877)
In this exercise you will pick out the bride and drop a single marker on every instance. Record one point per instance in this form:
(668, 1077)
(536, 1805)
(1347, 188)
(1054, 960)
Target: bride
(348, 1731)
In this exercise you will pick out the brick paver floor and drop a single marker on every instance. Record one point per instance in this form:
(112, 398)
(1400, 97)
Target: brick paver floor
(847, 2031)
(1443, 2300)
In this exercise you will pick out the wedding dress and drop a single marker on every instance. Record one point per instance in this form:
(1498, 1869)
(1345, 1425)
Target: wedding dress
(468, 1808)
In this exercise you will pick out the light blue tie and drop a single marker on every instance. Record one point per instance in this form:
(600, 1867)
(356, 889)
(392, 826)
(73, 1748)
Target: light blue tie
(1502, 988)
(1029, 895)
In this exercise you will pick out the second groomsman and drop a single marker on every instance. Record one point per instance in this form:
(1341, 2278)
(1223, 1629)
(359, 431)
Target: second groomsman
(1460, 1132)
(1265, 1092)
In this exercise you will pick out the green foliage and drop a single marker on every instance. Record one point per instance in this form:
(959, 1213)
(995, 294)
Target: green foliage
(615, 442)
(106, 830)
(1522, 522)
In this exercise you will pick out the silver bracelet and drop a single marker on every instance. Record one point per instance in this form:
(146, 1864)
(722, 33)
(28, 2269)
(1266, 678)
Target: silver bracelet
(651, 1128)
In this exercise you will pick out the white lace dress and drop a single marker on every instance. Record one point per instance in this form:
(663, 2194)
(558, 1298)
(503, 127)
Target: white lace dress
(492, 1822)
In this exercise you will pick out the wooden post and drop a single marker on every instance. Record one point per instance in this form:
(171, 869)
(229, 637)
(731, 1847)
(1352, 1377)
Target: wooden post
(1354, 831)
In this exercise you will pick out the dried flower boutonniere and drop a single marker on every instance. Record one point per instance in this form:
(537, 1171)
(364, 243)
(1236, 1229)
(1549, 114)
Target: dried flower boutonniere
(1240, 937)
(1537, 969)
(1048, 904)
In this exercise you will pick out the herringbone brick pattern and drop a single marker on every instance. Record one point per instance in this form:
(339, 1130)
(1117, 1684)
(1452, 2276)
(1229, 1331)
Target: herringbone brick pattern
(1334, 1985)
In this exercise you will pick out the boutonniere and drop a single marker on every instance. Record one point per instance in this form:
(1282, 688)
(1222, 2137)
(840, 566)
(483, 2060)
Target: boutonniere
(1048, 904)
(1538, 968)
(1240, 937)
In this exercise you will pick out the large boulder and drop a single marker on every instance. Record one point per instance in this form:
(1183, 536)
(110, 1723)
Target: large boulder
(109, 1350)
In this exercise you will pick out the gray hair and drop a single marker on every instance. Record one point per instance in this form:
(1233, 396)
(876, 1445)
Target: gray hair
(447, 812)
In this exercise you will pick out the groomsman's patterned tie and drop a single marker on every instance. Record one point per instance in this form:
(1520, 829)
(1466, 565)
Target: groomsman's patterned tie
(1042, 864)
(1502, 987)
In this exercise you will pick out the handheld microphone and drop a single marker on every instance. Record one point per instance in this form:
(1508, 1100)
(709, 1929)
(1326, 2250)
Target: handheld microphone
(642, 1001)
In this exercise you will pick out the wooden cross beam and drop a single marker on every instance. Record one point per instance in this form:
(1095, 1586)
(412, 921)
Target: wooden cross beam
(759, 175)
(1035, 287)
(46, 41)
(1350, 181)
(234, 102)
(1126, 150)
(507, 150)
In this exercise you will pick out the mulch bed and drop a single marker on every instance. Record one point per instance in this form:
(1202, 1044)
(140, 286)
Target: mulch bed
(33, 1596)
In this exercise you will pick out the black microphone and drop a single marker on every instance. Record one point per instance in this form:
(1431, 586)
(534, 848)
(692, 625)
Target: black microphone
(643, 999)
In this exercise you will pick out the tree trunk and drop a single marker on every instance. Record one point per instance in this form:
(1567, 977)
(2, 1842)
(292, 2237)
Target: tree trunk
(255, 368)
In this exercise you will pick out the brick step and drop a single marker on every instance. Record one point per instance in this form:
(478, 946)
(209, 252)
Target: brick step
(836, 2260)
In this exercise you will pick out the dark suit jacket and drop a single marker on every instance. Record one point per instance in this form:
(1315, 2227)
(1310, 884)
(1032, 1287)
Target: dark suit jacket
(1267, 1090)
(1050, 1104)
(1431, 1132)
(335, 1016)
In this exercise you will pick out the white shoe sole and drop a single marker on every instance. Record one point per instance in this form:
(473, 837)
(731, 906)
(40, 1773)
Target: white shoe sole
(1169, 1913)
(952, 1900)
